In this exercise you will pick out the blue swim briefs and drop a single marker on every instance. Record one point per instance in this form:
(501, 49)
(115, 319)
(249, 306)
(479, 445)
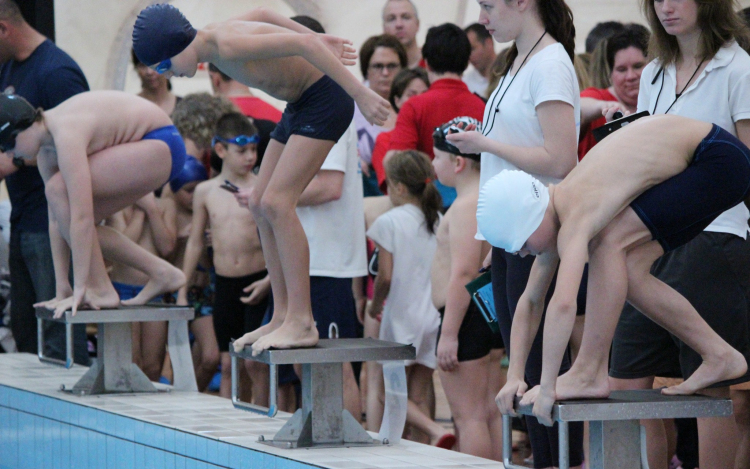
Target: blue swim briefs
(173, 139)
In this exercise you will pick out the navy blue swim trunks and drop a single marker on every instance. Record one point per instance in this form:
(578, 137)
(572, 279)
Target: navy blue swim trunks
(173, 139)
(717, 179)
(323, 112)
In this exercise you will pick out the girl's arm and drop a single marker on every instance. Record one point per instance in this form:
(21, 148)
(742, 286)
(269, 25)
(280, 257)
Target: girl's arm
(556, 158)
(194, 246)
(382, 282)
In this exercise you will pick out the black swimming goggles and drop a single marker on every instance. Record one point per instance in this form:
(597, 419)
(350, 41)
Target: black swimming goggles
(240, 140)
(10, 143)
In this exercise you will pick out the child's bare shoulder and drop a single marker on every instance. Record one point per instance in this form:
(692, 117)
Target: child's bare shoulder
(462, 210)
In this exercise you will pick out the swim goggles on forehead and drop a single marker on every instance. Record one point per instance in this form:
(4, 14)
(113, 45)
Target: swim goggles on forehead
(240, 140)
(162, 67)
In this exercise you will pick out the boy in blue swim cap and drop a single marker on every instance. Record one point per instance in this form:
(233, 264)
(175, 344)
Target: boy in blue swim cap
(95, 162)
(288, 61)
(645, 190)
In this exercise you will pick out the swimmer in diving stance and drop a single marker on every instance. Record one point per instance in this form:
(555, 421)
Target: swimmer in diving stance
(642, 191)
(98, 152)
(268, 51)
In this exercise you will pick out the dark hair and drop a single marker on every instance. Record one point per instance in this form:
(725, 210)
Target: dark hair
(557, 19)
(402, 80)
(213, 68)
(310, 23)
(384, 40)
(413, 169)
(137, 63)
(634, 35)
(719, 23)
(9, 10)
(479, 30)
(234, 124)
(746, 14)
(601, 31)
(447, 49)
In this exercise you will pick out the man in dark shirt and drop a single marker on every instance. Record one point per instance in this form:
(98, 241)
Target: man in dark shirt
(33, 67)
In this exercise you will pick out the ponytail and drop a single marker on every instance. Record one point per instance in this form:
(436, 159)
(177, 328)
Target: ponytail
(413, 169)
(557, 18)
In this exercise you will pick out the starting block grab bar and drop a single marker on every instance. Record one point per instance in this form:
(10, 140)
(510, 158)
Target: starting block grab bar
(616, 438)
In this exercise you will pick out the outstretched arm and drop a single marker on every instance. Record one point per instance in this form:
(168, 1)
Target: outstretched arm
(265, 15)
(194, 246)
(526, 322)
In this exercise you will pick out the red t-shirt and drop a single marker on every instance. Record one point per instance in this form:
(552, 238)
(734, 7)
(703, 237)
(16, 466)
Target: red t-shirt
(586, 142)
(382, 143)
(445, 100)
(256, 108)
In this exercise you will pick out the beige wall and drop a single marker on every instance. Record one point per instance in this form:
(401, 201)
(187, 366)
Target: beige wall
(97, 32)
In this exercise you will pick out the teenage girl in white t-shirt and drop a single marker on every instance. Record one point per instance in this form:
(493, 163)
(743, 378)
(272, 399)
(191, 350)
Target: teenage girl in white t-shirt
(531, 123)
(405, 238)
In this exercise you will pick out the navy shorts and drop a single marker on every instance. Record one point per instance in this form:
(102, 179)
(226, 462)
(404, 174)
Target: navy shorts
(333, 307)
(323, 112)
(172, 138)
(233, 318)
(680, 208)
(475, 338)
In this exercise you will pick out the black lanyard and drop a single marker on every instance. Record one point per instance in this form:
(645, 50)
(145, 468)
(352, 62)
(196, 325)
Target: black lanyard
(662, 72)
(497, 106)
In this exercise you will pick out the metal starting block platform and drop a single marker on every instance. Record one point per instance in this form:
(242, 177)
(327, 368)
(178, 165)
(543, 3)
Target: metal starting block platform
(114, 370)
(322, 421)
(616, 438)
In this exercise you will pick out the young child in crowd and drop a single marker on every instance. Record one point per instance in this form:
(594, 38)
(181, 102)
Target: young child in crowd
(405, 237)
(200, 294)
(237, 254)
(464, 340)
(150, 223)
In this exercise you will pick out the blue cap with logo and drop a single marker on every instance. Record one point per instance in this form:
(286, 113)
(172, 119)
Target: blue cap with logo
(161, 32)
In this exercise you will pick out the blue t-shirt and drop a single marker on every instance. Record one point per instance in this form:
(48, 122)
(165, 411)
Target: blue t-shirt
(48, 77)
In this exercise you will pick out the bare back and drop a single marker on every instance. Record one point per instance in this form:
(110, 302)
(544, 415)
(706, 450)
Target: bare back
(284, 78)
(623, 166)
(102, 119)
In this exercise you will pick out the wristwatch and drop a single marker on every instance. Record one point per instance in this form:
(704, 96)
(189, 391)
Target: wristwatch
(18, 162)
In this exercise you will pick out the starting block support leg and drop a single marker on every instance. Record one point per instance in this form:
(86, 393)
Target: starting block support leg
(322, 421)
(615, 444)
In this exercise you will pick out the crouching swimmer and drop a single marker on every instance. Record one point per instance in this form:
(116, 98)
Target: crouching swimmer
(98, 152)
(643, 191)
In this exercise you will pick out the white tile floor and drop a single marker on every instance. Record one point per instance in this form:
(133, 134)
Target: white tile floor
(214, 418)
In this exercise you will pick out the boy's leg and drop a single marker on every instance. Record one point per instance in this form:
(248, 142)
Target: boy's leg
(153, 348)
(163, 276)
(205, 351)
(299, 162)
(270, 249)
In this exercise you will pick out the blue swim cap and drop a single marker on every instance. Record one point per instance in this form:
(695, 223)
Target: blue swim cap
(192, 171)
(161, 32)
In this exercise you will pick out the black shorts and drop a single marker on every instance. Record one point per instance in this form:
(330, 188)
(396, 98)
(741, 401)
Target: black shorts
(333, 307)
(475, 338)
(323, 112)
(233, 318)
(681, 207)
(713, 272)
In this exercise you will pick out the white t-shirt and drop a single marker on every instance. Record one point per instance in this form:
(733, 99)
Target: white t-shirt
(547, 76)
(336, 230)
(720, 95)
(409, 317)
(476, 82)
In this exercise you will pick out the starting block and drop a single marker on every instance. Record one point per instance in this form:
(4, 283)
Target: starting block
(322, 421)
(616, 438)
(114, 370)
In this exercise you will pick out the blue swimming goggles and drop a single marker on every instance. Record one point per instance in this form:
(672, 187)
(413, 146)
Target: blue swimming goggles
(163, 67)
(240, 140)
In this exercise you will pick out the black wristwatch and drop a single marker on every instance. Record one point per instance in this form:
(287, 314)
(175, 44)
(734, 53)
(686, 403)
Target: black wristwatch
(18, 162)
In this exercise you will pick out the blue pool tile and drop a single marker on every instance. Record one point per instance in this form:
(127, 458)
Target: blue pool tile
(111, 449)
(179, 442)
(191, 445)
(201, 445)
(169, 461)
(125, 454)
(140, 433)
(180, 462)
(140, 456)
(218, 453)
(169, 440)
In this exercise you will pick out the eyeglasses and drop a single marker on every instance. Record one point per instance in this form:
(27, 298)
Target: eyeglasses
(162, 67)
(10, 144)
(391, 67)
(240, 140)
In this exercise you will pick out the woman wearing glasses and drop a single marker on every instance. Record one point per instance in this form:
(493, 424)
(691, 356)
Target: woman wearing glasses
(381, 58)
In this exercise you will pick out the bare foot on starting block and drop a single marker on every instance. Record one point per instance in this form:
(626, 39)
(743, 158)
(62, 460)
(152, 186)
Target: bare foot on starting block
(251, 337)
(288, 335)
(170, 279)
(92, 299)
(579, 386)
(730, 365)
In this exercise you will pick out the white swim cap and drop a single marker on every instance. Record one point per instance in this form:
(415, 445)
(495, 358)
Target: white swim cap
(511, 207)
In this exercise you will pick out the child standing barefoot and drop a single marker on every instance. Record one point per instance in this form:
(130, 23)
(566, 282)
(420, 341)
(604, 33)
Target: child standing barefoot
(405, 237)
